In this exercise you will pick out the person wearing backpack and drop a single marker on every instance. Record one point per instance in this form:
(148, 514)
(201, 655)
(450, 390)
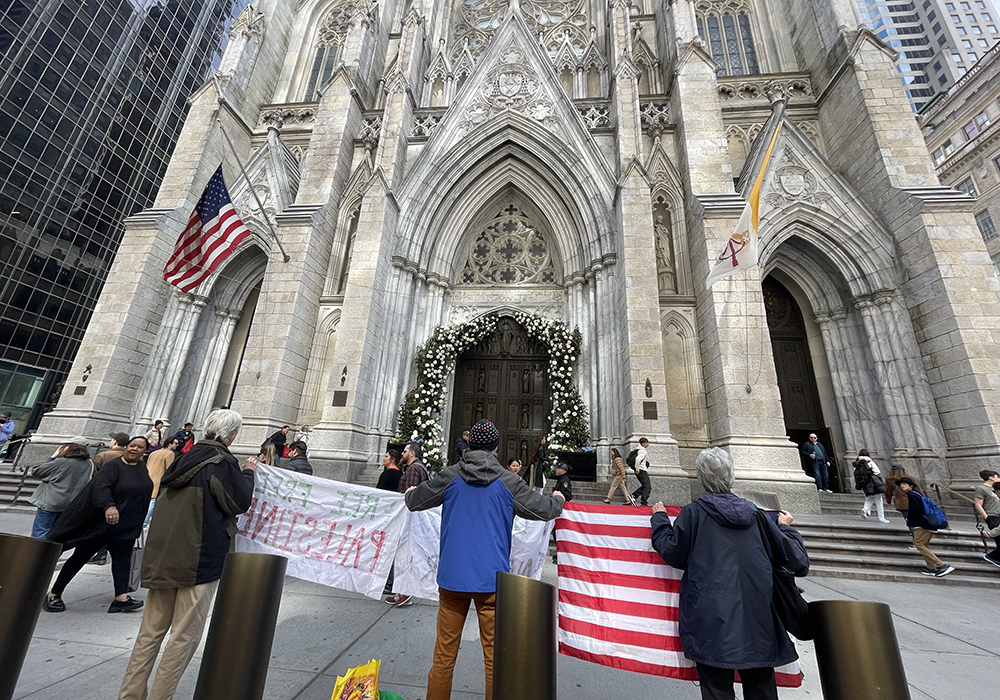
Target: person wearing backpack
(926, 518)
(639, 461)
(868, 478)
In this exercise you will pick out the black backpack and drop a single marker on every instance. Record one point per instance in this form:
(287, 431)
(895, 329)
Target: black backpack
(630, 460)
(862, 474)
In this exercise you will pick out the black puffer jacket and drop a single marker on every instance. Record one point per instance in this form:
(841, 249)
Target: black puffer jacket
(726, 619)
(194, 520)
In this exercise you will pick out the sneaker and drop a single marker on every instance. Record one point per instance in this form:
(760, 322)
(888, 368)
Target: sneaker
(929, 572)
(400, 601)
(991, 560)
(883, 520)
(944, 570)
(912, 547)
(865, 515)
(130, 604)
(827, 491)
(54, 604)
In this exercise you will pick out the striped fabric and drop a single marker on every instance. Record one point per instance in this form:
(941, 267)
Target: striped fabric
(213, 232)
(618, 600)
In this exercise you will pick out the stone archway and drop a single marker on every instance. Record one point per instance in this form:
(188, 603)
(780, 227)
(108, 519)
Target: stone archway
(504, 378)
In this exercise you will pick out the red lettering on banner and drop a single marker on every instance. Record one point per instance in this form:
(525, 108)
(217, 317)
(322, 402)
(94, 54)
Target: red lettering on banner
(249, 519)
(298, 544)
(377, 539)
(327, 539)
(355, 544)
(291, 528)
(264, 519)
(274, 531)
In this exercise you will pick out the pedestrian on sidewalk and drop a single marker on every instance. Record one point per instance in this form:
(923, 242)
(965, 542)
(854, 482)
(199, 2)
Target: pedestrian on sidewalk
(116, 448)
(302, 434)
(414, 474)
(63, 477)
(514, 465)
(987, 506)
(186, 436)
(618, 478)
(563, 484)
(157, 464)
(535, 475)
(297, 461)
(155, 436)
(641, 469)
(388, 480)
(923, 531)
(867, 477)
(718, 542)
(183, 558)
(818, 459)
(278, 439)
(107, 514)
(480, 499)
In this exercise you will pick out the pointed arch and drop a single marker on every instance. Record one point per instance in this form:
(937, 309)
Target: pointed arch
(320, 370)
(348, 218)
(667, 192)
(686, 402)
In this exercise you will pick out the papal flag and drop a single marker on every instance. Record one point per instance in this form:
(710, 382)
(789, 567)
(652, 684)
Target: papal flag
(213, 232)
(740, 252)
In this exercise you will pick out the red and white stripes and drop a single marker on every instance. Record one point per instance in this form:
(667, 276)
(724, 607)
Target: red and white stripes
(200, 248)
(618, 600)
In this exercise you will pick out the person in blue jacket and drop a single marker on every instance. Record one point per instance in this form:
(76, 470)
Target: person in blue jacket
(716, 541)
(479, 500)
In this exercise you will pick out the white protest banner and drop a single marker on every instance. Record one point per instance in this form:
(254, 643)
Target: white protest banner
(417, 555)
(331, 532)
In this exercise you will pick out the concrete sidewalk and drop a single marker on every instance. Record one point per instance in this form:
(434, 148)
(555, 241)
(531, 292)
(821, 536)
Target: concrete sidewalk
(948, 638)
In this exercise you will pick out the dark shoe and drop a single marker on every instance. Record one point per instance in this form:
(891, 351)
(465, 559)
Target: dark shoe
(399, 600)
(991, 560)
(944, 570)
(929, 572)
(99, 560)
(54, 604)
(130, 604)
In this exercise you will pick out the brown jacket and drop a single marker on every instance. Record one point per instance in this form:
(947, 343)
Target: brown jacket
(103, 458)
(156, 464)
(894, 496)
(617, 467)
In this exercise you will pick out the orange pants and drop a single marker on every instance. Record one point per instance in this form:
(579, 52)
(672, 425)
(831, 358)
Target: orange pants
(452, 611)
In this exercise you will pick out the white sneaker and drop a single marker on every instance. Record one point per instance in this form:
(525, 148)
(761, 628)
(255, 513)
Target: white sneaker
(883, 520)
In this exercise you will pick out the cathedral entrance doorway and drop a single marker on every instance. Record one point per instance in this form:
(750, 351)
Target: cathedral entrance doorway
(503, 379)
(800, 400)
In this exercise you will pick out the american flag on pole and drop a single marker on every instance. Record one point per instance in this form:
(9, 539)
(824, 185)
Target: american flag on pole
(213, 232)
(618, 600)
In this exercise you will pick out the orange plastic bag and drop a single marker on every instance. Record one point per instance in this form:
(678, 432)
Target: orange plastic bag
(360, 683)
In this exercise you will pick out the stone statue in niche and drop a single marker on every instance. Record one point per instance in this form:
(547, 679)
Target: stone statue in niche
(664, 256)
(525, 417)
(526, 382)
(481, 381)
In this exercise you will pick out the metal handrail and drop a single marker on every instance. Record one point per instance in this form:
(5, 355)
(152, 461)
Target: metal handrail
(980, 525)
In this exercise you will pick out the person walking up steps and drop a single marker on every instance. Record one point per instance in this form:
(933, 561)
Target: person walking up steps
(640, 466)
(918, 517)
(988, 508)
(618, 480)
(867, 478)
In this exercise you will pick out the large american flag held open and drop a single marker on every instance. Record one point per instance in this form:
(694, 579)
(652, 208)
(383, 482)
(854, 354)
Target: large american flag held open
(618, 599)
(213, 232)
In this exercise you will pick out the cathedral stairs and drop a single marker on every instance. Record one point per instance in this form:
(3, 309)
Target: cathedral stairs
(10, 482)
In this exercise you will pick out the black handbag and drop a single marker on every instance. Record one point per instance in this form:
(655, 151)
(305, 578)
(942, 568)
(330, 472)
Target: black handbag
(786, 596)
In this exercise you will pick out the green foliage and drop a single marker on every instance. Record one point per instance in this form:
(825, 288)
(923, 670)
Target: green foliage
(406, 417)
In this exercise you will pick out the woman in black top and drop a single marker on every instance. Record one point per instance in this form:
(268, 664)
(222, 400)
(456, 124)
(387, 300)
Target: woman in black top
(388, 480)
(108, 513)
(535, 474)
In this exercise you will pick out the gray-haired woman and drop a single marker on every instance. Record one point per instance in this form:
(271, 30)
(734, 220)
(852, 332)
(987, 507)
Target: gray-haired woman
(716, 541)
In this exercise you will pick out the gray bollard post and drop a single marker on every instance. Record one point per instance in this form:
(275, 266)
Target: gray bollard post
(27, 569)
(238, 648)
(524, 639)
(857, 651)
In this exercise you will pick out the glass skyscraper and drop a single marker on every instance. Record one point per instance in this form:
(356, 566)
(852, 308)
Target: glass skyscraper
(92, 99)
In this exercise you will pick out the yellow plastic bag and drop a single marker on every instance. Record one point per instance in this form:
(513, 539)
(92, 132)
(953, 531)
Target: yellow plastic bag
(360, 683)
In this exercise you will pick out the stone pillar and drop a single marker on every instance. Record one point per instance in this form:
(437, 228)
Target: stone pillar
(213, 364)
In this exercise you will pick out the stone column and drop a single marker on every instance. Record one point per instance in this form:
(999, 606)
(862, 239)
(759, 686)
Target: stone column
(213, 364)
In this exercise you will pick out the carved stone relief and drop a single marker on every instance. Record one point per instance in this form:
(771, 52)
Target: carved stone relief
(509, 251)
(511, 85)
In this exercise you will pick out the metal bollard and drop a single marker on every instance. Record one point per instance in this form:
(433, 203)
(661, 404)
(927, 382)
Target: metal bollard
(524, 640)
(27, 569)
(857, 651)
(238, 648)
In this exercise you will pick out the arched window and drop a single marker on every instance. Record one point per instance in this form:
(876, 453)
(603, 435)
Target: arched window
(329, 44)
(724, 26)
(509, 250)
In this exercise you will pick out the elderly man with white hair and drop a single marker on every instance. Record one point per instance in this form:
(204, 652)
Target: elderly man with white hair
(726, 620)
(200, 496)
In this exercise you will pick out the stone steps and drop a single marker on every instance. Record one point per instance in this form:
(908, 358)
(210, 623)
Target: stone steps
(9, 484)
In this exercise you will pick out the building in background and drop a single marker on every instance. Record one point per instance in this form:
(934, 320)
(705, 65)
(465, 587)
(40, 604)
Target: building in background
(937, 41)
(962, 130)
(92, 99)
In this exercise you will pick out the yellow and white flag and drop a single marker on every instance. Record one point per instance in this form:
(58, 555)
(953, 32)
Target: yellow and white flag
(740, 252)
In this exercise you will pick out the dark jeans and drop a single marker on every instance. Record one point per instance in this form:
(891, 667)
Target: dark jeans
(717, 683)
(820, 475)
(121, 563)
(44, 520)
(991, 522)
(642, 493)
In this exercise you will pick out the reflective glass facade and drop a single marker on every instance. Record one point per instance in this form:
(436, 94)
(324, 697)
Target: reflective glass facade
(92, 99)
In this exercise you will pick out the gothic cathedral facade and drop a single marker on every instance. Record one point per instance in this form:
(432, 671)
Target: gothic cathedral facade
(428, 162)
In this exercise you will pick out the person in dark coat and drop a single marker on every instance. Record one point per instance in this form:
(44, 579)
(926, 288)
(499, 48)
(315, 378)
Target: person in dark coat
(279, 439)
(461, 445)
(297, 461)
(201, 494)
(563, 484)
(108, 512)
(716, 541)
(388, 480)
(535, 473)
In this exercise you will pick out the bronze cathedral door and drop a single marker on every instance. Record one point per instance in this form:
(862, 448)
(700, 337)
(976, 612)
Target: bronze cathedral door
(503, 379)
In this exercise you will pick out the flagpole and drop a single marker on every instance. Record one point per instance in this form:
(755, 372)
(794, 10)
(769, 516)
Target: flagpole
(260, 204)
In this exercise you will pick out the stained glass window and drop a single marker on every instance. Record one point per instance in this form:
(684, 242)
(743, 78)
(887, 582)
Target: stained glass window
(726, 28)
(329, 43)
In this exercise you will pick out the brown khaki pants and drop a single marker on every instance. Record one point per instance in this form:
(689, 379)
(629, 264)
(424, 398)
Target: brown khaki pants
(619, 483)
(452, 610)
(922, 538)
